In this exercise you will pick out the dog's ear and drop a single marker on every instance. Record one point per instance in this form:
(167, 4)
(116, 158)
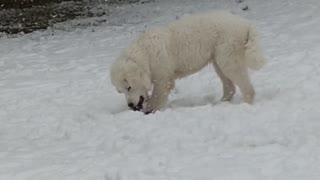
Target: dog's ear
(146, 80)
(135, 70)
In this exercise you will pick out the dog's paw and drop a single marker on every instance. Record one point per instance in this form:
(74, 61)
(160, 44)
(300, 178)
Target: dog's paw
(148, 112)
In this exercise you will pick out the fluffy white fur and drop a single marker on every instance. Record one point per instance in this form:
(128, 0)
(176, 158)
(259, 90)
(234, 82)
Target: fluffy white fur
(160, 56)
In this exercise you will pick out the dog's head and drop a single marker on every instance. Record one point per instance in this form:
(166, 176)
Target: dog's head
(131, 80)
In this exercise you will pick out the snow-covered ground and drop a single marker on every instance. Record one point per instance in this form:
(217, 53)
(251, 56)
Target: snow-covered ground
(61, 119)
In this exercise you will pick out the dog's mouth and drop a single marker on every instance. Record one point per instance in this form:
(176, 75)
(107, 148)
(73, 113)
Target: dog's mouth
(139, 106)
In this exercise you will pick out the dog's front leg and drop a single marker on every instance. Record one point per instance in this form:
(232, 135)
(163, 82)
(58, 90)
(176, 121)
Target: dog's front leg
(159, 96)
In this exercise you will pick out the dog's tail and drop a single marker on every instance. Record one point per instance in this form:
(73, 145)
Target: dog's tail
(253, 53)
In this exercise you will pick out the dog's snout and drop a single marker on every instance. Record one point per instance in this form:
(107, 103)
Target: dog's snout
(137, 107)
(130, 105)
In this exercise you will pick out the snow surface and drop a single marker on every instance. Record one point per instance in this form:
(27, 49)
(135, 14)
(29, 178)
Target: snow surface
(61, 119)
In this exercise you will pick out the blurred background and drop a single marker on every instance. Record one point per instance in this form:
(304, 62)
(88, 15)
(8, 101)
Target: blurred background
(25, 16)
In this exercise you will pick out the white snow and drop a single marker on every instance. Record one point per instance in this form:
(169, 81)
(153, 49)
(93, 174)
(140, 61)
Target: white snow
(61, 119)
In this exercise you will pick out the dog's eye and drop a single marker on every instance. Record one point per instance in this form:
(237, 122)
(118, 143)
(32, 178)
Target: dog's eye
(129, 88)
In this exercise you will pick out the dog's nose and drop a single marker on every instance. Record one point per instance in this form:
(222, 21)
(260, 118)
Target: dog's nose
(131, 105)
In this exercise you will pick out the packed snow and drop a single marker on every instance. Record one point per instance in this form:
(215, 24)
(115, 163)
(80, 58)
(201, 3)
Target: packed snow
(61, 119)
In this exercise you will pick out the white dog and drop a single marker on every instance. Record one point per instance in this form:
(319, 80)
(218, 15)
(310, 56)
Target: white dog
(160, 56)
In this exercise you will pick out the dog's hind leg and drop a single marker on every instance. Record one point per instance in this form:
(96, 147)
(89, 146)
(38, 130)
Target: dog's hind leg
(228, 87)
(233, 67)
